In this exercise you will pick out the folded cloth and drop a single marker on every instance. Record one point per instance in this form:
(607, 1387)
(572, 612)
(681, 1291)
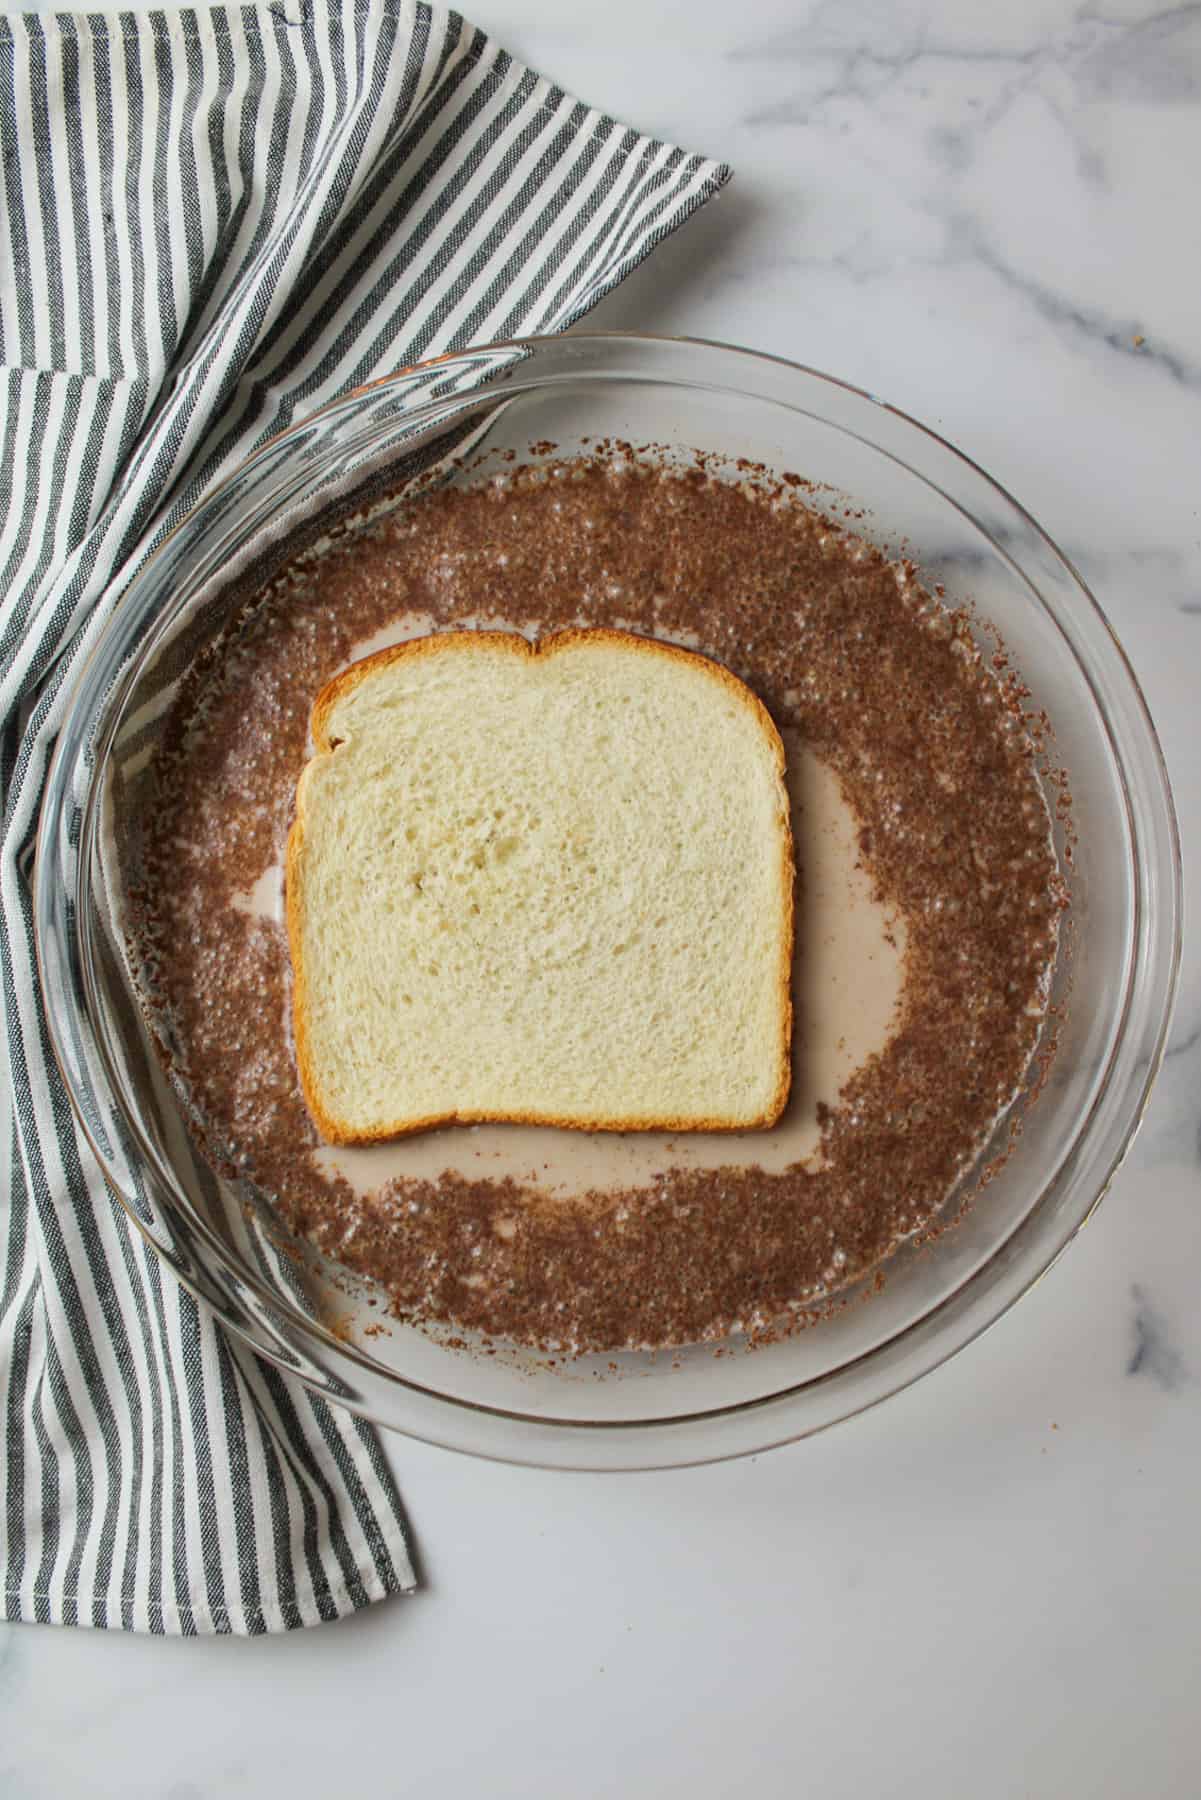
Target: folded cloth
(213, 221)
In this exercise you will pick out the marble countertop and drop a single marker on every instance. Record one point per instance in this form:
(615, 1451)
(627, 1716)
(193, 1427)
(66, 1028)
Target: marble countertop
(990, 1586)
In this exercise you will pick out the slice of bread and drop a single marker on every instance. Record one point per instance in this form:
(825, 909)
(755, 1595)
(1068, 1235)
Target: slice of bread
(541, 882)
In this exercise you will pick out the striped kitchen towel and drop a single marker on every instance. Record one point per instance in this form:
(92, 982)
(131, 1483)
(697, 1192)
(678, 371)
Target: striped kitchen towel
(211, 222)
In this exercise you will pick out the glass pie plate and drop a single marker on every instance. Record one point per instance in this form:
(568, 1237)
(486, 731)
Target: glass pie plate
(1115, 975)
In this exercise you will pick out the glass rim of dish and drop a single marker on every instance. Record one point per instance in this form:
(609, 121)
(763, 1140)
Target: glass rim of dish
(241, 1298)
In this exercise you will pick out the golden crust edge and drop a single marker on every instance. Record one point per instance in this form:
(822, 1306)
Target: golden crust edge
(335, 1131)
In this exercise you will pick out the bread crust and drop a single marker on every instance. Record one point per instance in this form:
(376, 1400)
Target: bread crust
(337, 1131)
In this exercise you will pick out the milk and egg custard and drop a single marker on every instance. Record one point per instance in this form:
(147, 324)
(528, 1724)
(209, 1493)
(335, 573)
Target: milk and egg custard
(928, 908)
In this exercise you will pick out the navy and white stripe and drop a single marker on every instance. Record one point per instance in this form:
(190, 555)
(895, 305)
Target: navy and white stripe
(210, 223)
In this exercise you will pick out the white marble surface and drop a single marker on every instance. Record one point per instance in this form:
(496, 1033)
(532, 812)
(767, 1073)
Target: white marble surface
(991, 1586)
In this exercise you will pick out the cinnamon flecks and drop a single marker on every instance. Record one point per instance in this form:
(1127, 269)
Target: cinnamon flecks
(930, 743)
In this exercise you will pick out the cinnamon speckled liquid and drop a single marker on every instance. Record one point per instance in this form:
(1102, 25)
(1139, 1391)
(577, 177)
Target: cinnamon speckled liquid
(927, 911)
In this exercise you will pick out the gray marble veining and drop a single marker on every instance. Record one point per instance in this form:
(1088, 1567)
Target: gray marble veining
(1156, 1353)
